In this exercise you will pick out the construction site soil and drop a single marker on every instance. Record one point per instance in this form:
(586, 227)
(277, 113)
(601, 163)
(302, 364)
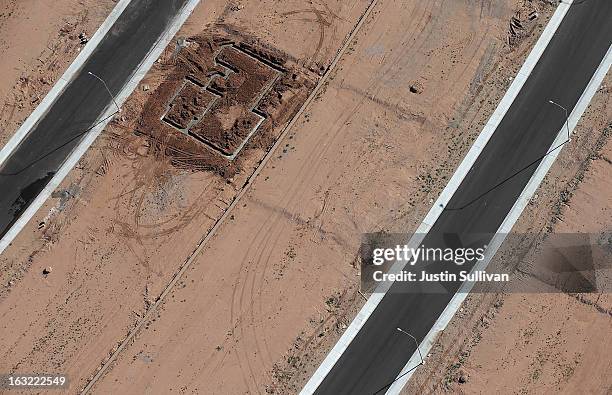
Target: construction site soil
(225, 93)
(38, 40)
(165, 263)
(151, 209)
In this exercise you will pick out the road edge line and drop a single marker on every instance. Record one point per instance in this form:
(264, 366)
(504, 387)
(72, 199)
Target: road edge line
(445, 196)
(200, 246)
(62, 82)
(106, 117)
(506, 226)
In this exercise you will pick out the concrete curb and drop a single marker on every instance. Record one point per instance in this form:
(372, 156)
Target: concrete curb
(104, 119)
(63, 81)
(509, 221)
(435, 212)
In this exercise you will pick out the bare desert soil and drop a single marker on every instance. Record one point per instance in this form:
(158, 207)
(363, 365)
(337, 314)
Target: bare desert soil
(126, 219)
(134, 274)
(532, 342)
(38, 40)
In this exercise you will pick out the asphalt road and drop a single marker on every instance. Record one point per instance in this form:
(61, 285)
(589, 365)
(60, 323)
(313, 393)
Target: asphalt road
(39, 156)
(379, 352)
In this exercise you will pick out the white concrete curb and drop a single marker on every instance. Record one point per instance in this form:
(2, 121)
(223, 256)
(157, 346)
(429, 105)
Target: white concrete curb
(438, 207)
(105, 118)
(509, 221)
(64, 80)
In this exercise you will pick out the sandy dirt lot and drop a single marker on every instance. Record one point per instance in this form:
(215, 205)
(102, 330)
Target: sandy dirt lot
(290, 285)
(531, 342)
(263, 299)
(117, 231)
(38, 40)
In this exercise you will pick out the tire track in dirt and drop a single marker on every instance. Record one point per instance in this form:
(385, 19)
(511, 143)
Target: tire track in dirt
(484, 38)
(482, 42)
(255, 335)
(285, 203)
(323, 21)
(261, 247)
(248, 280)
(295, 191)
(236, 323)
(310, 172)
(179, 274)
(433, 25)
(272, 230)
(279, 230)
(246, 309)
(290, 201)
(152, 175)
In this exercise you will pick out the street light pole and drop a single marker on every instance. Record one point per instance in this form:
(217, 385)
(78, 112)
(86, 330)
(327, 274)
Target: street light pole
(566, 117)
(108, 90)
(415, 342)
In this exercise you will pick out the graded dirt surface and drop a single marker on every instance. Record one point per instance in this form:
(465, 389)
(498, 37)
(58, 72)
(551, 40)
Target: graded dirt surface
(118, 229)
(540, 342)
(266, 296)
(38, 40)
(267, 288)
(226, 94)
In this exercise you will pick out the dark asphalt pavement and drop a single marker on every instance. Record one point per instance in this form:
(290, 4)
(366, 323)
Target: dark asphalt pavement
(39, 156)
(379, 352)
